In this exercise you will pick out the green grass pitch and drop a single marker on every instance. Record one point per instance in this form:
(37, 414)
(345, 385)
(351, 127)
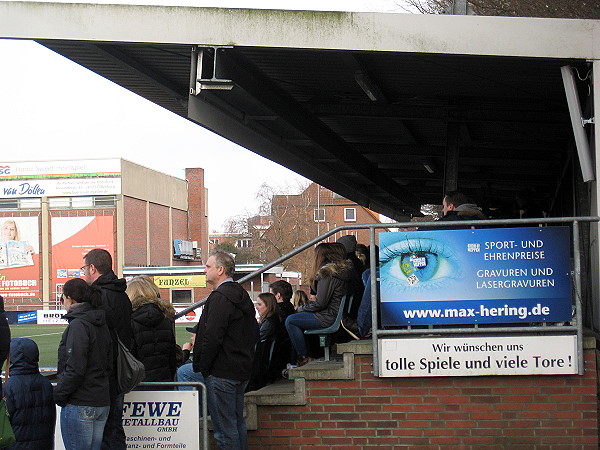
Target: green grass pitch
(47, 337)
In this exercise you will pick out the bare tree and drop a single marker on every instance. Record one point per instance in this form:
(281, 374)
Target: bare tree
(587, 9)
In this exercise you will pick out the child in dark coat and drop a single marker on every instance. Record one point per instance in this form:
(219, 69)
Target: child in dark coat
(29, 398)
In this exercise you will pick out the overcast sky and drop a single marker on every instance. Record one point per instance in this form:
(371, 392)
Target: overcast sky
(53, 109)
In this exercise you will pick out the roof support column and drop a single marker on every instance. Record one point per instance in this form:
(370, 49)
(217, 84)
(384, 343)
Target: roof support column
(595, 201)
(451, 163)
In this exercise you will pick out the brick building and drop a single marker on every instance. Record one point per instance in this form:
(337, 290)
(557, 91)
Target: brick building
(58, 210)
(296, 219)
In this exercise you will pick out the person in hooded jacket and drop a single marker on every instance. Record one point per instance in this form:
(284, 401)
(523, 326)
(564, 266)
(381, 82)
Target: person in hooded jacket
(4, 337)
(331, 280)
(152, 322)
(97, 270)
(29, 398)
(224, 350)
(84, 367)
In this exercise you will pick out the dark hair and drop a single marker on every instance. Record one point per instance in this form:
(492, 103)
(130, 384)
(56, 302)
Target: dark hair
(271, 303)
(224, 260)
(282, 287)
(100, 259)
(79, 291)
(456, 198)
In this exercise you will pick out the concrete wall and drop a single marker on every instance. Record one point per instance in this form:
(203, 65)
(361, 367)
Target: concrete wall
(156, 187)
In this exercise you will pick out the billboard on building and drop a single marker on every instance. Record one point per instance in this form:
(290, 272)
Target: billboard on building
(60, 178)
(19, 257)
(506, 275)
(72, 238)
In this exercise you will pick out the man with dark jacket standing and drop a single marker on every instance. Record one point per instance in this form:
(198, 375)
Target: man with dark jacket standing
(224, 350)
(97, 270)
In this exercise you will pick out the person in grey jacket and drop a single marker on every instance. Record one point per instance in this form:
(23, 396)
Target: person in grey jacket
(331, 281)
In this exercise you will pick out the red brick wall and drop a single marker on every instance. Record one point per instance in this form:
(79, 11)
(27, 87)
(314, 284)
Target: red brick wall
(161, 247)
(135, 231)
(198, 216)
(558, 412)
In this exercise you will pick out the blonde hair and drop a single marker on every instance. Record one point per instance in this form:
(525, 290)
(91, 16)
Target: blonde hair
(299, 298)
(142, 286)
(13, 223)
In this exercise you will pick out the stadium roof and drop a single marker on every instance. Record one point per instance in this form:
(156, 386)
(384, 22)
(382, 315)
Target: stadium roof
(387, 110)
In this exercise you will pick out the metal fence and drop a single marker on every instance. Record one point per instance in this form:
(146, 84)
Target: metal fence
(575, 326)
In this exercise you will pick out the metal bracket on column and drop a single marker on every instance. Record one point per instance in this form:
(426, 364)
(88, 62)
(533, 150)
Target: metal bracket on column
(203, 71)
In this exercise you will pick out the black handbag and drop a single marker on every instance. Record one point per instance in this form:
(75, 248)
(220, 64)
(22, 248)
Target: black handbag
(130, 371)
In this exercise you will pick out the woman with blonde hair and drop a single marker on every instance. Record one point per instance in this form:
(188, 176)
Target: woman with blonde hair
(299, 299)
(152, 325)
(10, 232)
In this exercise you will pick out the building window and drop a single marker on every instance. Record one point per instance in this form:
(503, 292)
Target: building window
(104, 201)
(319, 215)
(350, 214)
(59, 202)
(20, 203)
(213, 241)
(243, 243)
(182, 297)
(82, 202)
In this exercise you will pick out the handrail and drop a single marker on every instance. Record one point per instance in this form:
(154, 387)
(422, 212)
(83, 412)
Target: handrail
(373, 226)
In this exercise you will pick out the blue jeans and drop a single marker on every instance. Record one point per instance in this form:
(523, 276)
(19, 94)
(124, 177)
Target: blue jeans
(82, 426)
(365, 318)
(295, 325)
(186, 373)
(226, 408)
(114, 435)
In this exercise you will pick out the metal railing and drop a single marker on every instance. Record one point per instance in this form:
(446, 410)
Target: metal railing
(408, 330)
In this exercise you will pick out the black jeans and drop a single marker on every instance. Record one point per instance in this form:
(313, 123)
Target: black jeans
(114, 435)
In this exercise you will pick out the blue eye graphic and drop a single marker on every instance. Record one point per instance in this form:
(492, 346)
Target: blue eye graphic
(418, 264)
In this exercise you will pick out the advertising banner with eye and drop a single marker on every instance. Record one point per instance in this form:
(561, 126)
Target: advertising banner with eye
(504, 275)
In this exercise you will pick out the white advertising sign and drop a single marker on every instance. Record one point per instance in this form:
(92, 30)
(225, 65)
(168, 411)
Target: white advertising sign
(191, 317)
(52, 169)
(156, 419)
(468, 356)
(51, 317)
(161, 419)
(60, 187)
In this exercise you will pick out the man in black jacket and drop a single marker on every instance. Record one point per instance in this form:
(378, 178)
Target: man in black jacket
(97, 270)
(224, 350)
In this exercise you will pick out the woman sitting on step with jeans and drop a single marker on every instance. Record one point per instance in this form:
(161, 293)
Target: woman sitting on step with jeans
(331, 280)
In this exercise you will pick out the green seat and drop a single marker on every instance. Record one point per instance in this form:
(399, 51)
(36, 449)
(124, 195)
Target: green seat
(326, 333)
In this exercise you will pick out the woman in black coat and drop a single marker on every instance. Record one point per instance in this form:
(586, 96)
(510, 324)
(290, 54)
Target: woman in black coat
(266, 306)
(84, 365)
(152, 324)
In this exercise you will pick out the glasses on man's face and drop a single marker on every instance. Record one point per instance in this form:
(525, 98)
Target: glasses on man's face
(82, 269)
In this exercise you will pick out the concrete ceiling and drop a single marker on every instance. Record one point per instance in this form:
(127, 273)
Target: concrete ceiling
(388, 110)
